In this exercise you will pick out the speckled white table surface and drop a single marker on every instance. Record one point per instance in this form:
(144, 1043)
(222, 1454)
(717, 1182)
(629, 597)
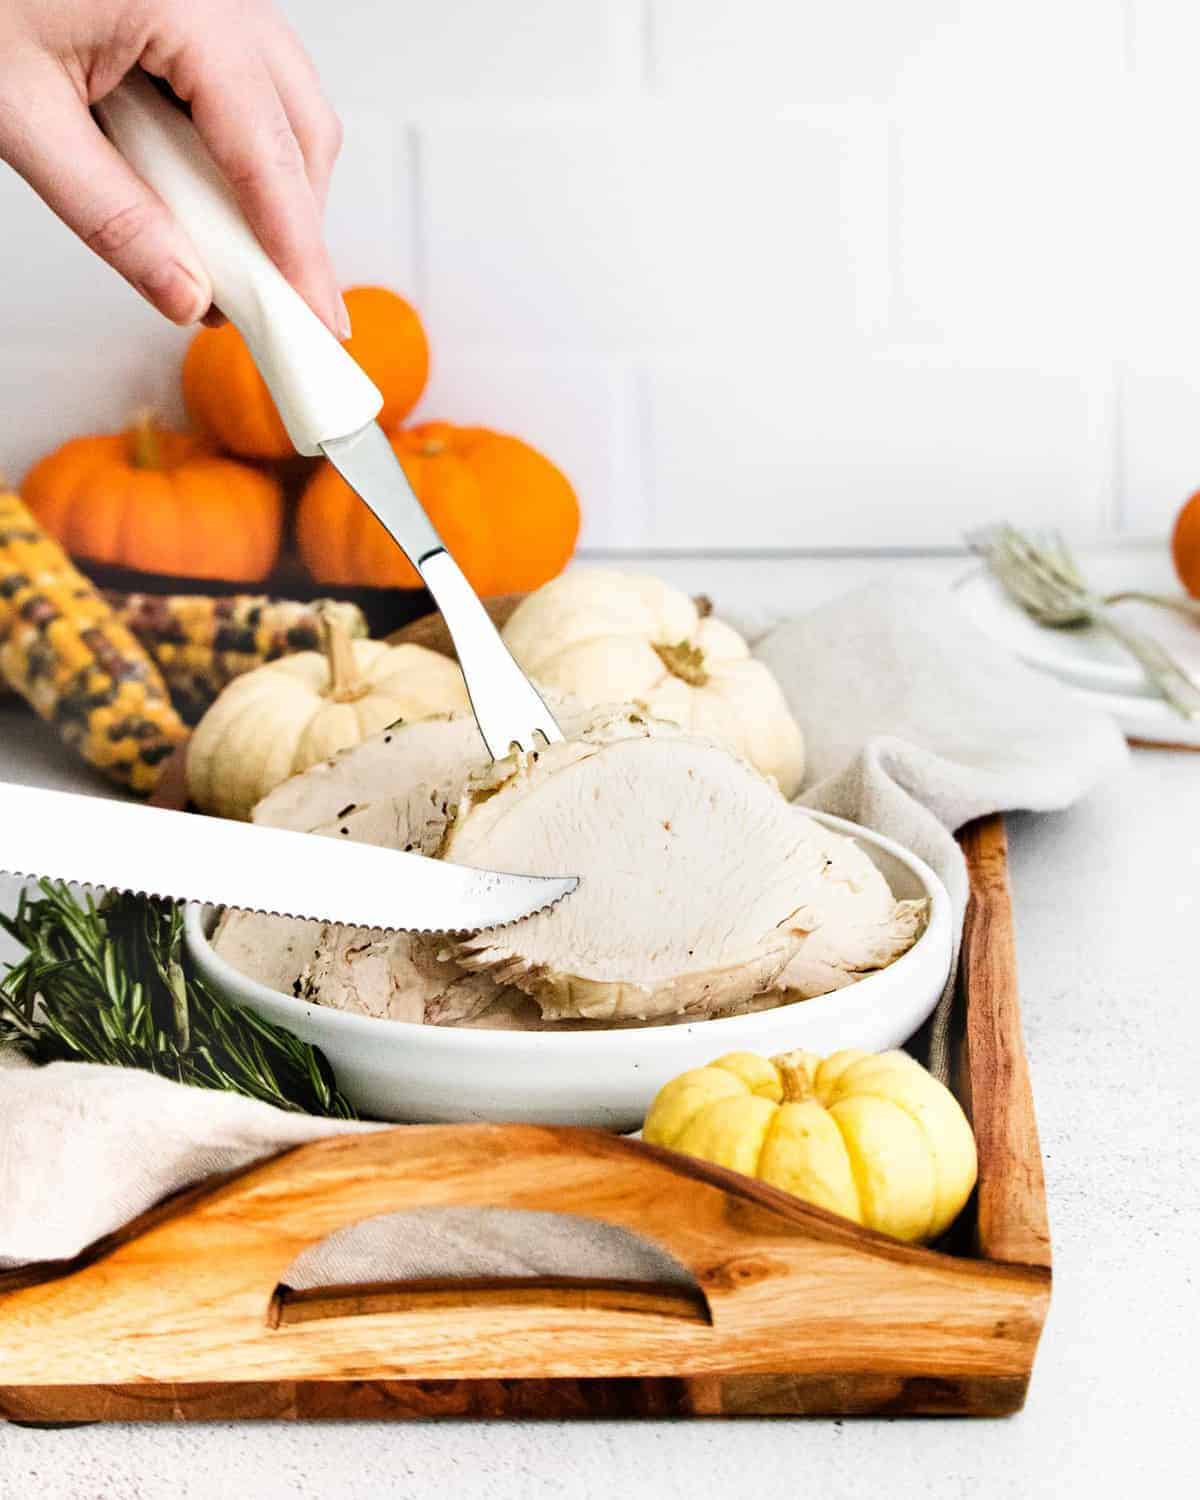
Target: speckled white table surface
(1108, 907)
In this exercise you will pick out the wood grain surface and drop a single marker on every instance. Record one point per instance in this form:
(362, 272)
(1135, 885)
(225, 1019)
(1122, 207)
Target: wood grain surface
(1011, 1222)
(784, 1286)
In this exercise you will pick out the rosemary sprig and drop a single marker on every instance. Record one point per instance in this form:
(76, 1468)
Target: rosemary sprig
(1041, 574)
(111, 983)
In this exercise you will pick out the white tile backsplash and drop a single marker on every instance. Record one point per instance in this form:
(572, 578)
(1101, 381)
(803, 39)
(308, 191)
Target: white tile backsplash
(51, 392)
(372, 230)
(779, 273)
(1005, 218)
(787, 55)
(409, 53)
(659, 229)
(55, 292)
(908, 448)
(592, 437)
(1159, 445)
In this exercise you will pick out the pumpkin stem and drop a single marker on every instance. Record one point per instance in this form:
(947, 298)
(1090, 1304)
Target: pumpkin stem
(144, 445)
(685, 661)
(795, 1074)
(345, 684)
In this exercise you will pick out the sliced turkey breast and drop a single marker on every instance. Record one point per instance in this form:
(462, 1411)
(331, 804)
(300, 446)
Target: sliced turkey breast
(271, 950)
(396, 975)
(703, 894)
(400, 977)
(700, 886)
(441, 753)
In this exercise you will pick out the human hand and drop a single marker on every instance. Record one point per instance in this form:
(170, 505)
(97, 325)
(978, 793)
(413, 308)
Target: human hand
(255, 100)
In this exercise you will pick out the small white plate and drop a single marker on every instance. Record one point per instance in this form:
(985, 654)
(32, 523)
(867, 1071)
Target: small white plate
(1148, 719)
(1085, 657)
(395, 1070)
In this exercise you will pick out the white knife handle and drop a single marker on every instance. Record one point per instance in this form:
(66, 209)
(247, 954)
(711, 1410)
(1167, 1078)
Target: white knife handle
(320, 391)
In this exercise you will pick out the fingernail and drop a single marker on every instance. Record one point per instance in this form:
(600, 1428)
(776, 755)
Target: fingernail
(176, 292)
(343, 319)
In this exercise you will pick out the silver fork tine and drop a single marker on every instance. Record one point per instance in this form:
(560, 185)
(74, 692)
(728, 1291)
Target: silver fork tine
(508, 708)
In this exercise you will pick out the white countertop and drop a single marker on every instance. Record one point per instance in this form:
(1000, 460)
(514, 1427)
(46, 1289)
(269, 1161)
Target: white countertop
(1108, 904)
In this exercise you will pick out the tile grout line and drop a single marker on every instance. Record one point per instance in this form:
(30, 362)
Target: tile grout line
(644, 436)
(416, 205)
(649, 48)
(1114, 507)
(1129, 33)
(1126, 542)
(895, 220)
(1115, 511)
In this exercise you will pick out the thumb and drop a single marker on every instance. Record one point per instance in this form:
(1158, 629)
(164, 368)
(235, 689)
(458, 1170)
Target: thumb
(54, 143)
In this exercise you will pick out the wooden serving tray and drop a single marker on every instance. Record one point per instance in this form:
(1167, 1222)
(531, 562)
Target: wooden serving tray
(794, 1311)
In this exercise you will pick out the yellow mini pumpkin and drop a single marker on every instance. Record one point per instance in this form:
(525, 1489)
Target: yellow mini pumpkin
(868, 1135)
(279, 719)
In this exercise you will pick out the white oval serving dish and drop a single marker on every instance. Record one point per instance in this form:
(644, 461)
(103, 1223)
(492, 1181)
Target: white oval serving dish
(395, 1070)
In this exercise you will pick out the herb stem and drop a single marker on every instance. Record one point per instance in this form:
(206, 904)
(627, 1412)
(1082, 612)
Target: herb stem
(112, 984)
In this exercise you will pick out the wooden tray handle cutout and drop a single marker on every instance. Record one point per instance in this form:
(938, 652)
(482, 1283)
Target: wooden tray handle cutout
(485, 1295)
(777, 1277)
(572, 1262)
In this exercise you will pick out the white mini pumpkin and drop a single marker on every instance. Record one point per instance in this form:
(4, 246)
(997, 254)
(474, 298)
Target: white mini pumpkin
(286, 716)
(610, 638)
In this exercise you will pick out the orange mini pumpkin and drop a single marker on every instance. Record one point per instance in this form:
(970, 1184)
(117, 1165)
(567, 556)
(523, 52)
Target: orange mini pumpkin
(160, 502)
(1185, 546)
(228, 400)
(507, 514)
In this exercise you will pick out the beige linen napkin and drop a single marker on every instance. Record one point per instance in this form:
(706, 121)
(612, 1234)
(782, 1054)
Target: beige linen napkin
(915, 724)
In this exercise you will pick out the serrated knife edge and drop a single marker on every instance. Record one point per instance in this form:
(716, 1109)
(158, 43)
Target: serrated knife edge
(111, 845)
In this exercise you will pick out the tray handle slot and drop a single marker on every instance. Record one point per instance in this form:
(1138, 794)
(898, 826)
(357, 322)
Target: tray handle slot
(484, 1294)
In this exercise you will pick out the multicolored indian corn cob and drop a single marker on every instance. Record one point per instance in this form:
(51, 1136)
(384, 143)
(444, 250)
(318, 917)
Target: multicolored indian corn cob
(202, 643)
(65, 651)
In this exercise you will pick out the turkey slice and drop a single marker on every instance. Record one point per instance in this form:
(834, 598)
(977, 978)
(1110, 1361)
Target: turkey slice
(394, 978)
(844, 949)
(398, 976)
(700, 887)
(441, 753)
(272, 950)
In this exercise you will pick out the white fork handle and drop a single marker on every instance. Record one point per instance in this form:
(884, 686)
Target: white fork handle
(320, 391)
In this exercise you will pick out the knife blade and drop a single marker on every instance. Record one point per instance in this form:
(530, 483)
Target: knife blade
(148, 850)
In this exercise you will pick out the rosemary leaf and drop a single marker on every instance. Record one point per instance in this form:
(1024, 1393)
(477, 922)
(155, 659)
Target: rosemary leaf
(111, 983)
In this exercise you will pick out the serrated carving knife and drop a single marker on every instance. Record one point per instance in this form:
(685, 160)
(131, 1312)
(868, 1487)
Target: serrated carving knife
(116, 845)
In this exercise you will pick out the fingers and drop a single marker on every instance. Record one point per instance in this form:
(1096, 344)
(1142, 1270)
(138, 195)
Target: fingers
(257, 104)
(48, 136)
(238, 111)
(317, 129)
